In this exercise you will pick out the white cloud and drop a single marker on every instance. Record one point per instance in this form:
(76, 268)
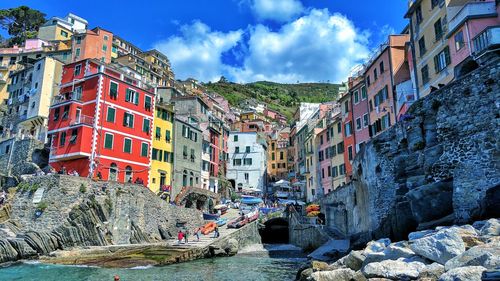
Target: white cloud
(316, 47)
(197, 52)
(276, 10)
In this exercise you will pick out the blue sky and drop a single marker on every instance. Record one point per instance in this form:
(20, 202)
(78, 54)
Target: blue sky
(245, 40)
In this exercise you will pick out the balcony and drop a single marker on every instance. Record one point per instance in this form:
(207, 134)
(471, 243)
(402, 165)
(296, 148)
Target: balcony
(82, 120)
(68, 97)
(489, 38)
(459, 14)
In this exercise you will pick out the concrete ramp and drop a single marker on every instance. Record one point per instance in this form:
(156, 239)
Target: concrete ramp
(330, 250)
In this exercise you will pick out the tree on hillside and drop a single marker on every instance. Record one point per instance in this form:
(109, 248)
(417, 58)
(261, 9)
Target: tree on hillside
(21, 23)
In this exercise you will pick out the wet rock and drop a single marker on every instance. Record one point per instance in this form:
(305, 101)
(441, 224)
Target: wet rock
(343, 274)
(7, 252)
(393, 269)
(469, 273)
(354, 260)
(304, 274)
(431, 201)
(431, 272)
(487, 255)
(232, 247)
(440, 246)
(22, 248)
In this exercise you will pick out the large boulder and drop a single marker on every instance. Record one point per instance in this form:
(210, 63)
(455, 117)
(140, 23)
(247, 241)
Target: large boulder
(7, 252)
(468, 273)
(431, 272)
(342, 274)
(431, 201)
(393, 269)
(232, 247)
(393, 251)
(440, 246)
(487, 255)
(490, 228)
(354, 260)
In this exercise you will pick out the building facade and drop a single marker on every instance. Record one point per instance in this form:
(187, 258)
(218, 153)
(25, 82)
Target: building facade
(162, 155)
(96, 103)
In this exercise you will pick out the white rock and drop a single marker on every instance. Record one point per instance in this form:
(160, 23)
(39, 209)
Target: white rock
(419, 234)
(487, 255)
(342, 274)
(491, 228)
(468, 273)
(393, 269)
(376, 246)
(440, 247)
(431, 272)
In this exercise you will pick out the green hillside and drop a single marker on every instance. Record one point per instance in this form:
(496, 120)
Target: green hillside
(284, 98)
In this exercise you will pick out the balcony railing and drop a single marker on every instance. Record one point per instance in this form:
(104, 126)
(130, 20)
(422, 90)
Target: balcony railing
(65, 98)
(82, 120)
(490, 37)
(471, 9)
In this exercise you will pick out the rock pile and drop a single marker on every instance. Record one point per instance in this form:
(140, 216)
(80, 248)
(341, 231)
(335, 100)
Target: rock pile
(452, 253)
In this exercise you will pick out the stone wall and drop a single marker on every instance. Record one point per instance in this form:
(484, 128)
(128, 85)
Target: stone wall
(243, 237)
(433, 169)
(82, 212)
(24, 157)
(304, 234)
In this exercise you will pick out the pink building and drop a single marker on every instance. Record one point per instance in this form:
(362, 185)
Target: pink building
(360, 110)
(471, 24)
(324, 159)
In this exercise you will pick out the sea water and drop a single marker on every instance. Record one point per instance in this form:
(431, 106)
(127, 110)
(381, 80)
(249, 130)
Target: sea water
(254, 263)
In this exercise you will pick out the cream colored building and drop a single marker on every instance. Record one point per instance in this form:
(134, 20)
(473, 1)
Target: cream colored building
(431, 54)
(61, 28)
(337, 157)
(30, 95)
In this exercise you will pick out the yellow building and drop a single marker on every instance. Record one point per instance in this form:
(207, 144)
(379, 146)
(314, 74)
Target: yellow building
(428, 27)
(248, 115)
(162, 156)
(277, 156)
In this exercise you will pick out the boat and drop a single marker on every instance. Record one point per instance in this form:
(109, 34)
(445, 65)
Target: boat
(250, 200)
(222, 208)
(209, 227)
(252, 216)
(210, 217)
(313, 208)
(221, 221)
(238, 222)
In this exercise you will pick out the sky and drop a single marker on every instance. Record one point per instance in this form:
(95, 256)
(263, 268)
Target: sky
(285, 41)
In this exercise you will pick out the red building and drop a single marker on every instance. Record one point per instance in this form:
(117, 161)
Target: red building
(349, 137)
(100, 124)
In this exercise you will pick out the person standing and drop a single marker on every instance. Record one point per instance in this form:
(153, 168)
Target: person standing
(180, 236)
(197, 234)
(186, 234)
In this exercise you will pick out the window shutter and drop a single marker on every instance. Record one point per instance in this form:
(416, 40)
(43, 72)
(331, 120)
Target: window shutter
(436, 63)
(136, 97)
(127, 95)
(447, 55)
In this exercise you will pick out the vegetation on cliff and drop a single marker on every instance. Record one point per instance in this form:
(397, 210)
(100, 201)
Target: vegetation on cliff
(281, 97)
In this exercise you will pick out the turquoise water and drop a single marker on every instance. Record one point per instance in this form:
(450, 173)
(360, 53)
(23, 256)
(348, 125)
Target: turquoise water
(251, 266)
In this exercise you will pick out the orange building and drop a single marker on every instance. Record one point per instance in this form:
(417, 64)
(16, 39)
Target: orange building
(93, 44)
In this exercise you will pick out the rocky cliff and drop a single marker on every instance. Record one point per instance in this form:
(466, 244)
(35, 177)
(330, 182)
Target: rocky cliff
(81, 212)
(439, 167)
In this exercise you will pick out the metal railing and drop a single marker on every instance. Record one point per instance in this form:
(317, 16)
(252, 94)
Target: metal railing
(486, 39)
(82, 120)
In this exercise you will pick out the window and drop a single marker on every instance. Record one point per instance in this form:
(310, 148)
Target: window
(322, 173)
(128, 120)
(382, 69)
(363, 93)
(356, 97)
(158, 133)
(64, 33)
(78, 39)
(348, 129)
(154, 154)
(105, 37)
(442, 60)
(421, 46)
(425, 74)
(282, 155)
(339, 128)
(237, 149)
(74, 136)
(365, 120)
(375, 75)
(185, 152)
(349, 152)
(273, 156)
(274, 166)
(247, 177)
(56, 113)
(321, 139)
(62, 140)
(368, 80)
(235, 137)
(108, 141)
(113, 90)
(438, 29)
(127, 145)
(128, 174)
(147, 103)
(132, 96)
(236, 162)
(113, 172)
(386, 122)
(273, 146)
(146, 125)
(247, 161)
(78, 69)
(459, 40)
(340, 147)
(346, 107)
(65, 112)
(104, 48)
(192, 155)
(110, 116)
(77, 53)
(167, 136)
(335, 171)
(358, 124)
(418, 14)
(247, 149)
(342, 169)
(144, 149)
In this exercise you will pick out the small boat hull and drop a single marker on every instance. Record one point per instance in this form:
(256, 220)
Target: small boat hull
(220, 222)
(209, 227)
(237, 223)
(210, 216)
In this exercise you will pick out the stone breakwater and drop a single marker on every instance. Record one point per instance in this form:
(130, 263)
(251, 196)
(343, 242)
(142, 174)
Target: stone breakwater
(79, 212)
(452, 253)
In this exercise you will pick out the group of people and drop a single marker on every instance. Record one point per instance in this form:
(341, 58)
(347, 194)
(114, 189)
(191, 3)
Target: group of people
(184, 235)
